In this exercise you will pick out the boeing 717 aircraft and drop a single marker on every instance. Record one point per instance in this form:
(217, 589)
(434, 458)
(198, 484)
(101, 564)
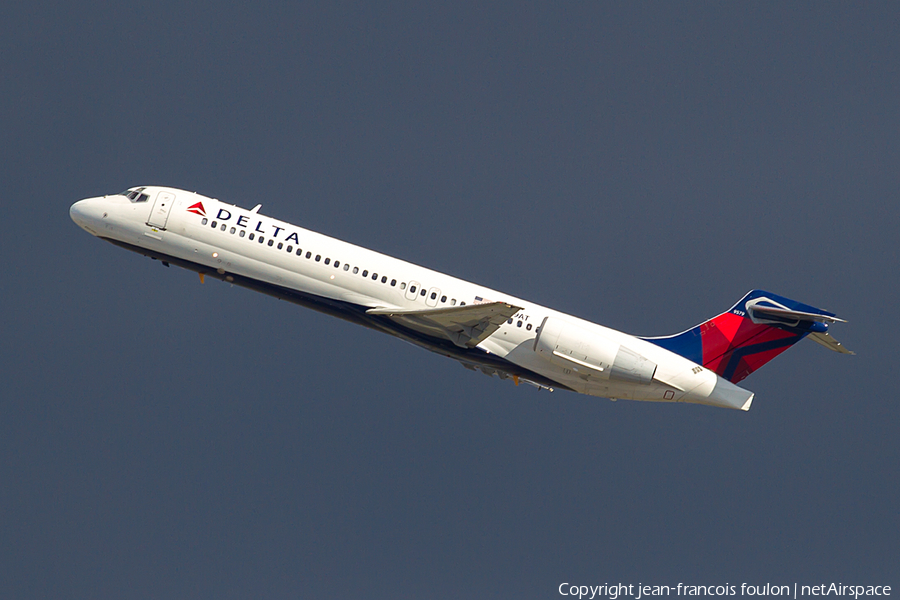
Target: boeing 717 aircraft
(483, 329)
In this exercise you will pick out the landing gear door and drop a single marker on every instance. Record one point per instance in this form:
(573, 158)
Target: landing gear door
(159, 214)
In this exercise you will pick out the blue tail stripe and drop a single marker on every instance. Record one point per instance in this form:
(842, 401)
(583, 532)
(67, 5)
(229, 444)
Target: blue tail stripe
(688, 344)
(739, 353)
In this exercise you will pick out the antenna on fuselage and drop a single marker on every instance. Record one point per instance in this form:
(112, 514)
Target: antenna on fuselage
(256, 208)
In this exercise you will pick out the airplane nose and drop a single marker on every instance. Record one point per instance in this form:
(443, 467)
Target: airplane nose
(76, 211)
(86, 213)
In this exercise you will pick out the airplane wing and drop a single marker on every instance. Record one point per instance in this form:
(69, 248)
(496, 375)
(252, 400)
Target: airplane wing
(465, 326)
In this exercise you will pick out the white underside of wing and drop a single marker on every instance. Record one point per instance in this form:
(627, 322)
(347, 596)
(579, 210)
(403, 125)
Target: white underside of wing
(465, 326)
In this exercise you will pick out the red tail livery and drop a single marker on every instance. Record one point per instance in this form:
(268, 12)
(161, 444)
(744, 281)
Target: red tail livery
(758, 328)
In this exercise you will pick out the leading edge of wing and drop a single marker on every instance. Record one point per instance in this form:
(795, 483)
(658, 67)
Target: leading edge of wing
(465, 326)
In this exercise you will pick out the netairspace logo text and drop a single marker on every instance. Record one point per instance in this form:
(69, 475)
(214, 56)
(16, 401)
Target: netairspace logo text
(612, 591)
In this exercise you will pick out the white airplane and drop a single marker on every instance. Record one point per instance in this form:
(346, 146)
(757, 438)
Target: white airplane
(483, 329)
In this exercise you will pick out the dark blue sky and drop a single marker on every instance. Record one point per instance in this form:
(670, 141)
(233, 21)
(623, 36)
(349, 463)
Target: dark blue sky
(638, 165)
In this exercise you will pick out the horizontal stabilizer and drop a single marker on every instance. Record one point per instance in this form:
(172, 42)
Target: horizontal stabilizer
(796, 315)
(829, 342)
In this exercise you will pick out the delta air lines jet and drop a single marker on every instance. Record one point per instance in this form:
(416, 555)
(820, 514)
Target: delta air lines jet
(483, 329)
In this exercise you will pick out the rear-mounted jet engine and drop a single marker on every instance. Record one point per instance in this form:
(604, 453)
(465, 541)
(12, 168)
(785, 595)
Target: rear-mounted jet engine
(592, 356)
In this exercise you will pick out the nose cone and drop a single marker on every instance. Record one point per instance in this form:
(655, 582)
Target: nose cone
(87, 214)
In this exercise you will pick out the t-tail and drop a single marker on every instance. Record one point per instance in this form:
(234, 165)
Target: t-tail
(758, 328)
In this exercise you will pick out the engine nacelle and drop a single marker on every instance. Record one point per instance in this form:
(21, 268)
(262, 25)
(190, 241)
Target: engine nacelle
(590, 355)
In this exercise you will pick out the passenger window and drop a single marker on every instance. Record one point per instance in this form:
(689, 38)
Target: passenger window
(383, 279)
(299, 252)
(232, 230)
(412, 289)
(261, 239)
(374, 276)
(393, 282)
(327, 261)
(337, 264)
(433, 295)
(290, 249)
(462, 303)
(453, 302)
(346, 266)
(215, 224)
(252, 236)
(528, 327)
(443, 298)
(271, 242)
(204, 221)
(309, 255)
(280, 245)
(519, 324)
(365, 273)
(242, 233)
(509, 321)
(318, 257)
(223, 226)
(403, 285)
(355, 270)
(424, 291)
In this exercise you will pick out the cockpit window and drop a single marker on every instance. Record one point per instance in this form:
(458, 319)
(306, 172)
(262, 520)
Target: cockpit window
(135, 195)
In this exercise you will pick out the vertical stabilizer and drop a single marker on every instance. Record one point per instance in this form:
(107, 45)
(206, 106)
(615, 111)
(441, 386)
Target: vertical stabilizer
(758, 328)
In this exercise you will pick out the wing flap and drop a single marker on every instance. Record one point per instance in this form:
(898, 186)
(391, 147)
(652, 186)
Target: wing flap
(465, 326)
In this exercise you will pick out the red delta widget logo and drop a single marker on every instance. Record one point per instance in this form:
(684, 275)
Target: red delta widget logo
(197, 209)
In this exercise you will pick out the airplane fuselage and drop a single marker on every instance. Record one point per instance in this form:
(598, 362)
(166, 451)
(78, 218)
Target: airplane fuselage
(527, 342)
